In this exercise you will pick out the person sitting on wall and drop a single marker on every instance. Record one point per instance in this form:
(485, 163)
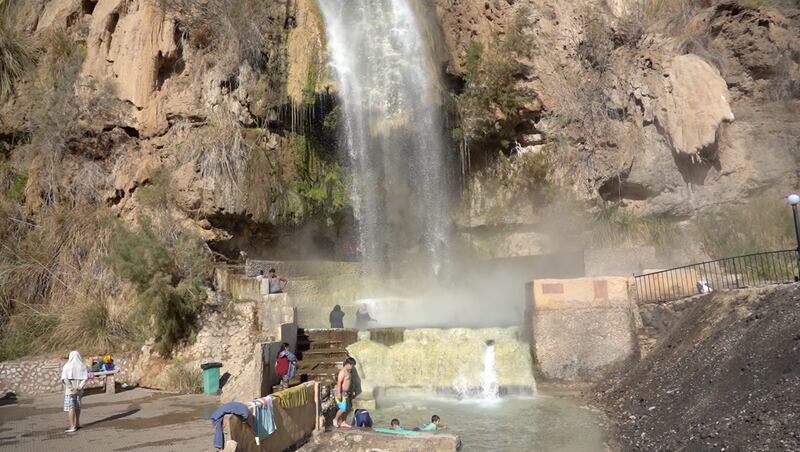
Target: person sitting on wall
(337, 317)
(276, 282)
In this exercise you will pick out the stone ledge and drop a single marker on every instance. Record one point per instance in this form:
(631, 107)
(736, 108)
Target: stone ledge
(362, 440)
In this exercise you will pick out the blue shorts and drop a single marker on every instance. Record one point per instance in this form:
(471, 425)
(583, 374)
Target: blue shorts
(72, 402)
(344, 404)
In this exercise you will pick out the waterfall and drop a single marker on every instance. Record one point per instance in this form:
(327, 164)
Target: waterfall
(467, 363)
(392, 128)
(489, 389)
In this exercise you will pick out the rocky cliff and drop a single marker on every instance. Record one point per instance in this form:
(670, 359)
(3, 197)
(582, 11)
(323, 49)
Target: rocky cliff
(665, 107)
(220, 119)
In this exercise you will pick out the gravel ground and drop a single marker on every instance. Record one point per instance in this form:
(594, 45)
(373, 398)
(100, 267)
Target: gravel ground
(724, 375)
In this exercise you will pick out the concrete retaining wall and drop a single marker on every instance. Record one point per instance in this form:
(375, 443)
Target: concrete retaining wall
(580, 326)
(294, 425)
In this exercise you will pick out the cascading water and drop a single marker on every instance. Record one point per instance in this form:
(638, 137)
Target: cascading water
(489, 389)
(468, 363)
(392, 127)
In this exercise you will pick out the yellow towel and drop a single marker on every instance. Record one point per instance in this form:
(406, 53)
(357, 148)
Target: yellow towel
(293, 397)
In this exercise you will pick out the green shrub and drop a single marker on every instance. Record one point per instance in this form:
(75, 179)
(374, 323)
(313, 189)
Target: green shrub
(169, 274)
(491, 77)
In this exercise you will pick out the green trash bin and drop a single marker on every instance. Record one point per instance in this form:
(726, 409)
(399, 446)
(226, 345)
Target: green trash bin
(211, 378)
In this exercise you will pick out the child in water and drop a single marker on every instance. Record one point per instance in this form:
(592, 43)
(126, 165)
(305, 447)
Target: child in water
(433, 426)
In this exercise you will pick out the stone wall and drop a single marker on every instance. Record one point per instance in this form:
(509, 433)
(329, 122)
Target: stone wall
(580, 326)
(42, 376)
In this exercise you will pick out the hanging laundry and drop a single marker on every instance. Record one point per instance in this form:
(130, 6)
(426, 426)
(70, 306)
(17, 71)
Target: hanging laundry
(293, 397)
(263, 418)
(239, 409)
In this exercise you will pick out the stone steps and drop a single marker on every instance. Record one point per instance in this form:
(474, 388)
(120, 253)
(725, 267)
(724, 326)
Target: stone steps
(320, 354)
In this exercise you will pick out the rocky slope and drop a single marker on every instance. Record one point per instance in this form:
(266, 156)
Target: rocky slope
(723, 375)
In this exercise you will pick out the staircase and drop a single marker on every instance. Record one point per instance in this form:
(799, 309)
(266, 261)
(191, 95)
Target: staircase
(320, 353)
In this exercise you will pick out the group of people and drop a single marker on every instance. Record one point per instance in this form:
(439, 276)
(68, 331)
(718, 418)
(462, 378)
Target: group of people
(363, 317)
(271, 283)
(344, 395)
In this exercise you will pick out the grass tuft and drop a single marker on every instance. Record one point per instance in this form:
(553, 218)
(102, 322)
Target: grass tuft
(17, 52)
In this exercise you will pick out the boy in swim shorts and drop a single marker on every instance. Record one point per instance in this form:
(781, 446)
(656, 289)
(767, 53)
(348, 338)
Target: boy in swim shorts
(344, 400)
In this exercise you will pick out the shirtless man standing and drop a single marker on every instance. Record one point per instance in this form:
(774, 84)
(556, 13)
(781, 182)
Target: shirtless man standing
(344, 399)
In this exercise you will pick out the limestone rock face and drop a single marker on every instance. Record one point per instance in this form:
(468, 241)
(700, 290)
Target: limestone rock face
(680, 118)
(135, 47)
(696, 104)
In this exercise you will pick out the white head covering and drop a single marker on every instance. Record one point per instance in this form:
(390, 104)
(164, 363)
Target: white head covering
(74, 369)
(363, 308)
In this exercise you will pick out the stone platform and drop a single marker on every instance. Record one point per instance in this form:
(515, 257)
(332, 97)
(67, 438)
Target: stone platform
(363, 440)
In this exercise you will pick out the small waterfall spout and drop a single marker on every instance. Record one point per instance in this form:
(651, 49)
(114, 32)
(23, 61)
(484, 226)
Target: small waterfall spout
(489, 389)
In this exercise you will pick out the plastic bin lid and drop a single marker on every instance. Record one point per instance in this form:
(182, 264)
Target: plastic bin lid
(210, 365)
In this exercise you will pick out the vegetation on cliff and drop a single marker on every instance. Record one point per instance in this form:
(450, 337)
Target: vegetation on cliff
(104, 222)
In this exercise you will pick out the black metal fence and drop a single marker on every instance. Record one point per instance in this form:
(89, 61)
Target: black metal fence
(775, 267)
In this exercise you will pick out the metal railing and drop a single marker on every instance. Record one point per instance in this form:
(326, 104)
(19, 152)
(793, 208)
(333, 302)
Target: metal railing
(775, 267)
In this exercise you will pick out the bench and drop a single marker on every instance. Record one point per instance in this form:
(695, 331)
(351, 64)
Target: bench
(108, 380)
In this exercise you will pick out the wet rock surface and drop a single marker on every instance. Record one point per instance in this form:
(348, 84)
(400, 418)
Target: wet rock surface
(723, 375)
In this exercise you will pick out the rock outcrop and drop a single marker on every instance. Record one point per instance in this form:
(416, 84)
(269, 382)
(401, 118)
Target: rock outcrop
(696, 104)
(667, 112)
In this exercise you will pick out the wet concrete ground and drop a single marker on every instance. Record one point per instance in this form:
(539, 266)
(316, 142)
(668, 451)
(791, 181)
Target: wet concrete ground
(138, 419)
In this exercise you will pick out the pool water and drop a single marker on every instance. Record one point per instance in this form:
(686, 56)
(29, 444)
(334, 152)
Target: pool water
(535, 424)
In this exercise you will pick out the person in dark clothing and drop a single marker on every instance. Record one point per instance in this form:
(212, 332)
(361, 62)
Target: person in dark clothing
(337, 317)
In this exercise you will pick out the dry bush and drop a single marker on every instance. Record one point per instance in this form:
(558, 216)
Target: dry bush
(92, 322)
(55, 286)
(220, 153)
(236, 31)
(785, 84)
(763, 223)
(184, 379)
(17, 52)
(661, 15)
(613, 226)
(596, 46)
